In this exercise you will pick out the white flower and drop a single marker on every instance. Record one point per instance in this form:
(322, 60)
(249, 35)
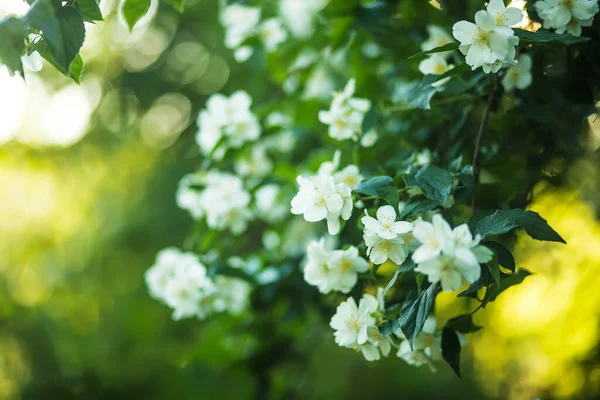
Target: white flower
(231, 295)
(272, 33)
(432, 236)
(243, 53)
(435, 65)
(223, 202)
(518, 76)
(269, 205)
(346, 114)
(423, 158)
(258, 165)
(447, 255)
(485, 43)
(376, 345)
(319, 84)
(335, 270)
(343, 268)
(228, 120)
(438, 37)
(567, 15)
(319, 198)
(380, 250)
(239, 22)
(369, 139)
(502, 15)
(351, 322)
(179, 280)
(299, 15)
(350, 175)
(385, 226)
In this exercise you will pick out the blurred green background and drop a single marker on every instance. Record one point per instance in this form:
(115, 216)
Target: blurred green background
(88, 177)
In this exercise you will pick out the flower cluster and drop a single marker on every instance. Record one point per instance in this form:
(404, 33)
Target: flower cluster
(448, 255)
(223, 202)
(489, 42)
(242, 22)
(356, 326)
(386, 238)
(567, 15)
(327, 195)
(335, 270)
(227, 122)
(346, 114)
(180, 280)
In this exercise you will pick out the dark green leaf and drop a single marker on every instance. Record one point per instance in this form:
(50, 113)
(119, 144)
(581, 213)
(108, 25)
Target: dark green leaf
(492, 266)
(505, 257)
(455, 164)
(503, 221)
(12, 32)
(177, 3)
(415, 312)
(369, 120)
(421, 95)
(436, 183)
(466, 176)
(75, 69)
(381, 187)
(63, 31)
(542, 36)
(485, 279)
(418, 207)
(388, 327)
(134, 10)
(406, 266)
(463, 323)
(90, 9)
(506, 281)
(441, 49)
(451, 349)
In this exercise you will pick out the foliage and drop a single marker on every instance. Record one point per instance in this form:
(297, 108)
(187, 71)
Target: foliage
(462, 148)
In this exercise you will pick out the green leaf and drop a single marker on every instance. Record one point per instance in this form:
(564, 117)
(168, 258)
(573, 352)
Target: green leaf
(415, 312)
(134, 10)
(485, 280)
(90, 9)
(492, 266)
(436, 183)
(463, 323)
(542, 36)
(466, 176)
(505, 257)
(177, 3)
(441, 49)
(63, 30)
(381, 187)
(451, 349)
(421, 95)
(75, 68)
(370, 120)
(406, 266)
(12, 32)
(418, 207)
(503, 221)
(506, 281)
(388, 327)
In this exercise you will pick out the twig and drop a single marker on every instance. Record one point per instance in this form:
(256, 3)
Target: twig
(484, 121)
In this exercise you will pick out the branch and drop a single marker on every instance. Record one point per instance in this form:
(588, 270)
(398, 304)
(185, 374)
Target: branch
(482, 126)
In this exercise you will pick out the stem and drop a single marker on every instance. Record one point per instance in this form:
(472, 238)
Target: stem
(482, 126)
